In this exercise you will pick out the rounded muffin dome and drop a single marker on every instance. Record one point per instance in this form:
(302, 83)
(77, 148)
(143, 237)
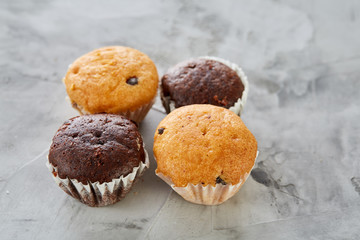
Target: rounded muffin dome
(111, 80)
(96, 148)
(201, 81)
(204, 144)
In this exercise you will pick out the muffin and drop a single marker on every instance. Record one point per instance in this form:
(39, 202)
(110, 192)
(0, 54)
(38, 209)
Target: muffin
(118, 80)
(204, 152)
(205, 80)
(97, 158)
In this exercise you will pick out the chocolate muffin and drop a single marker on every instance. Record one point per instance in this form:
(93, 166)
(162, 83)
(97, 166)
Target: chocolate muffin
(96, 158)
(205, 80)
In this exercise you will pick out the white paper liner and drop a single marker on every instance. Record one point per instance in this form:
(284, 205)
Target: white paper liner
(138, 115)
(96, 194)
(207, 195)
(239, 105)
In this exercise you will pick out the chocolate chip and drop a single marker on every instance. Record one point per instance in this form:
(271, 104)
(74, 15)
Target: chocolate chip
(220, 180)
(192, 65)
(132, 81)
(161, 130)
(97, 134)
(74, 134)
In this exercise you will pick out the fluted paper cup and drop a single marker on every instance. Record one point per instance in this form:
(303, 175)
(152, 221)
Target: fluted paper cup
(96, 194)
(206, 195)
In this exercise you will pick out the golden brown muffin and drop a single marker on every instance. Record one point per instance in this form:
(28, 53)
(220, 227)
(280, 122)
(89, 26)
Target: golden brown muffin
(204, 144)
(112, 80)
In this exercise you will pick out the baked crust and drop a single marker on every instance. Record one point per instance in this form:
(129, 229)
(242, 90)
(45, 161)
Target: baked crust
(96, 148)
(204, 144)
(201, 81)
(102, 80)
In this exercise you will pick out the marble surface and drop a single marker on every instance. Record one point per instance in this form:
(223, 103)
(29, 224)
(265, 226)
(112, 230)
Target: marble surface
(302, 59)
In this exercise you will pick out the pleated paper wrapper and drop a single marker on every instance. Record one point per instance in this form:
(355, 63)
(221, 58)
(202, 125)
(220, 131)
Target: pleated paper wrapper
(239, 105)
(137, 115)
(96, 194)
(207, 195)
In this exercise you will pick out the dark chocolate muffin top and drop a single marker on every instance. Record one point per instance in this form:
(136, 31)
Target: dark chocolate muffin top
(201, 81)
(97, 147)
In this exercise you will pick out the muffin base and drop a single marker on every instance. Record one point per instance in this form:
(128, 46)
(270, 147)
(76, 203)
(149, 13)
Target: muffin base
(237, 108)
(138, 115)
(206, 195)
(95, 194)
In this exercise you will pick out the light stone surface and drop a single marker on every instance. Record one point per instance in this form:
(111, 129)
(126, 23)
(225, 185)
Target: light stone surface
(302, 59)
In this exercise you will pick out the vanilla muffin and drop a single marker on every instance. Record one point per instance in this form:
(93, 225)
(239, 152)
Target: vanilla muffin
(204, 152)
(204, 80)
(116, 79)
(97, 158)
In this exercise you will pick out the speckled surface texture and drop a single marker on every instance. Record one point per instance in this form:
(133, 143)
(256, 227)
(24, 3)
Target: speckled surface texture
(302, 60)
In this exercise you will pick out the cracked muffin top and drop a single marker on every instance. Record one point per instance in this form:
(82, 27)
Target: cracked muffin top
(97, 147)
(204, 144)
(201, 81)
(112, 80)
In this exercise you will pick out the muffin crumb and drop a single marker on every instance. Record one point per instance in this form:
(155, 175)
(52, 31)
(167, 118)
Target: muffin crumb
(221, 102)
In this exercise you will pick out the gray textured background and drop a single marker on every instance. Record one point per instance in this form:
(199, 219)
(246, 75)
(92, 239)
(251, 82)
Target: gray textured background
(302, 59)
